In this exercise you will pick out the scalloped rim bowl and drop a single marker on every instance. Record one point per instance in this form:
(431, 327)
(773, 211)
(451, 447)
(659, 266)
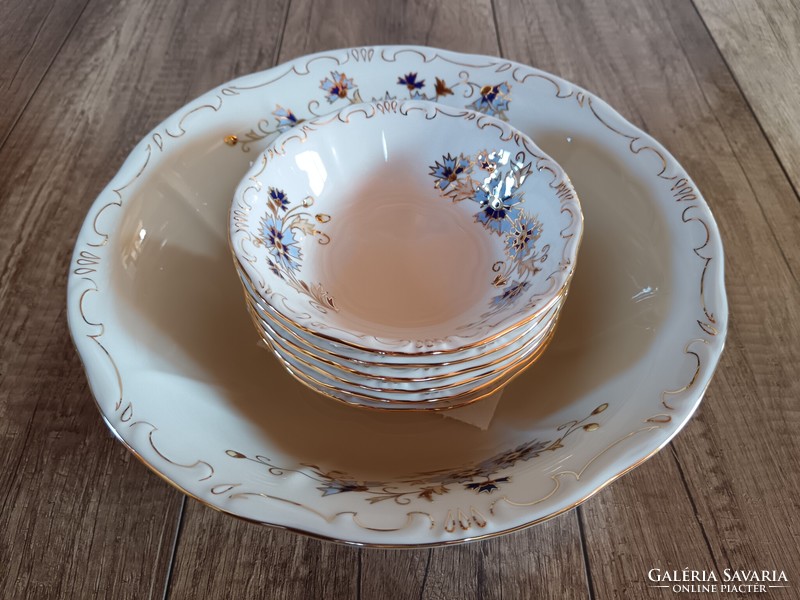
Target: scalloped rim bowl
(177, 375)
(395, 225)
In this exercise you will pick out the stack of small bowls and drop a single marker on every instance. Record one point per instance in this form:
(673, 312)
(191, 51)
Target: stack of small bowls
(405, 255)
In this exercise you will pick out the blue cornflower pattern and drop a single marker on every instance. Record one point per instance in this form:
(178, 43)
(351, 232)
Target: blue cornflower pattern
(411, 82)
(281, 232)
(281, 243)
(493, 180)
(449, 170)
(498, 210)
(274, 268)
(481, 478)
(511, 293)
(286, 118)
(493, 99)
(487, 486)
(336, 86)
(339, 487)
(524, 233)
(277, 199)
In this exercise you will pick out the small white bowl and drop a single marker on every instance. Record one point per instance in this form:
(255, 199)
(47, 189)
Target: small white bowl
(402, 229)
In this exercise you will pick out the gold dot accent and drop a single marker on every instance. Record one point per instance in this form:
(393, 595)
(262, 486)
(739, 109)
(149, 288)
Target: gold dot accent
(231, 140)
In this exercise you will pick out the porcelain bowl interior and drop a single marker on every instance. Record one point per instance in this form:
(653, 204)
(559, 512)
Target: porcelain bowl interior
(367, 228)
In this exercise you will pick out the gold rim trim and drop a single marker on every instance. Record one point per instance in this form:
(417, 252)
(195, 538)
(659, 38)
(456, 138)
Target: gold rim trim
(262, 323)
(429, 405)
(283, 328)
(367, 390)
(437, 544)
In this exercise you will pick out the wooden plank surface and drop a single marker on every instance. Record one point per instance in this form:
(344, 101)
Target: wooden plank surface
(32, 33)
(759, 41)
(82, 518)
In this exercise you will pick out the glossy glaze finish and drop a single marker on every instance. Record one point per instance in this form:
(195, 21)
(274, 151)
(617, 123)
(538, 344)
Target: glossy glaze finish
(394, 225)
(178, 374)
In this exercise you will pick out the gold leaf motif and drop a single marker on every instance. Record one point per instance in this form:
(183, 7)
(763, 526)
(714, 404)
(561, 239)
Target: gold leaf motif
(303, 225)
(500, 281)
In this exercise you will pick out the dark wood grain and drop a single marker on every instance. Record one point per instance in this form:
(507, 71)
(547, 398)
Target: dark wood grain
(32, 33)
(222, 557)
(759, 41)
(315, 25)
(527, 564)
(81, 518)
(727, 489)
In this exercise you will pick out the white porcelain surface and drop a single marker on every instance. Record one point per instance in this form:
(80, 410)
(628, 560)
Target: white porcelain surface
(156, 312)
(466, 398)
(388, 376)
(412, 395)
(402, 361)
(428, 378)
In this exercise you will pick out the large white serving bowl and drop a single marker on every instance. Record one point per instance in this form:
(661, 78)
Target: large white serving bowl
(394, 226)
(155, 310)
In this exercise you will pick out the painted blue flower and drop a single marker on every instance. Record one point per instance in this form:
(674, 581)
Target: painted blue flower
(487, 486)
(498, 210)
(493, 99)
(286, 118)
(277, 199)
(524, 233)
(336, 86)
(339, 487)
(510, 294)
(449, 170)
(410, 81)
(523, 452)
(281, 243)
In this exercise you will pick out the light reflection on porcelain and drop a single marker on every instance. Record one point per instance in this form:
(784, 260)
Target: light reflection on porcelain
(280, 246)
(502, 181)
(172, 370)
